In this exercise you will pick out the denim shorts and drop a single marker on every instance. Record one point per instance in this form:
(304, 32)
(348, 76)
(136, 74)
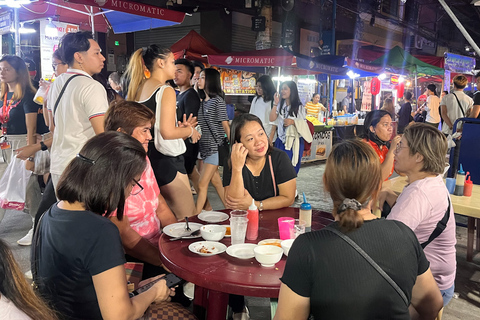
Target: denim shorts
(447, 294)
(212, 159)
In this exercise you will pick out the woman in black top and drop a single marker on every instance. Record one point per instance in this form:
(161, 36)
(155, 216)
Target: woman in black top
(257, 170)
(327, 277)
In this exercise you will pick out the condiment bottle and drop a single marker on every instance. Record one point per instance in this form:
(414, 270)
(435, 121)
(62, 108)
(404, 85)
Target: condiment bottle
(252, 227)
(468, 186)
(306, 213)
(459, 182)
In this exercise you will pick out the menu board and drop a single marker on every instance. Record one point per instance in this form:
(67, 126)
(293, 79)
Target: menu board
(237, 82)
(306, 88)
(367, 97)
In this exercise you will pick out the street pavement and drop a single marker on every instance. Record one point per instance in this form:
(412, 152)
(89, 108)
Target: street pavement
(465, 304)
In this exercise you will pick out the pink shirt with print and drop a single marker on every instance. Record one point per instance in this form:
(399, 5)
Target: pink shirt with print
(141, 208)
(421, 205)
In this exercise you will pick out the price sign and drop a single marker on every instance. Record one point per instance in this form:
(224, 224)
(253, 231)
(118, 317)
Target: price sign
(258, 23)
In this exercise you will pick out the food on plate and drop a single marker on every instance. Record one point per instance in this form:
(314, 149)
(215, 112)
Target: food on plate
(228, 232)
(204, 249)
(321, 151)
(272, 244)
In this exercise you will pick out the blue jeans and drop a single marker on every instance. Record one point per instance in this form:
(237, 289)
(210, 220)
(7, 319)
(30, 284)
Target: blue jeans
(212, 159)
(280, 145)
(447, 294)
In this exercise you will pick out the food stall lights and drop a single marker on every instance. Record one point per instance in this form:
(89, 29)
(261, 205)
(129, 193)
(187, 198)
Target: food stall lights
(306, 81)
(352, 75)
(408, 83)
(282, 78)
(51, 29)
(401, 79)
(383, 76)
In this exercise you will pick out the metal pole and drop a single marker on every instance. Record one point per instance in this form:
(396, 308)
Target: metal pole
(334, 19)
(460, 26)
(16, 22)
(92, 21)
(278, 79)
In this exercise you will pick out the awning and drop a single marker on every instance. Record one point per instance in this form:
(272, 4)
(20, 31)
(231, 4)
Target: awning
(193, 47)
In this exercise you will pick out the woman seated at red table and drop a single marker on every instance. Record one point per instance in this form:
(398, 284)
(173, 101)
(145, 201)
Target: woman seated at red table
(79, 255)
(257, 170)
(378, 133)
(147, 212)
(420, 155)
(327, 277)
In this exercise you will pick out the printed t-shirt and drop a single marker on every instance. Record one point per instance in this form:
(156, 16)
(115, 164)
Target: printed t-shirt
(83, 100)
(16, 117)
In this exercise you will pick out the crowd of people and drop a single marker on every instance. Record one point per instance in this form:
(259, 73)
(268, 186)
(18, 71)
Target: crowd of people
(123, 163)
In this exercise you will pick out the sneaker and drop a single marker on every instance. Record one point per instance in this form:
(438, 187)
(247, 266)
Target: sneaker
(29, 275)
(244, 315)
(193, 190)
(27, 240)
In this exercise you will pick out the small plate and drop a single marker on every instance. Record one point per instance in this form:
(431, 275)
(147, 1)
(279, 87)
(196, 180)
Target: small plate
(229, 230)
(211, 248)
(178, 229)
(242, 250)
(189, 290)
(272, 242)
(213, 216)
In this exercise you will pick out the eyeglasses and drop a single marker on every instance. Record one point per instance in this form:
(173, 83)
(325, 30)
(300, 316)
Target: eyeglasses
(399, 147)
(137, 188)
(386, 125)
(55, 65)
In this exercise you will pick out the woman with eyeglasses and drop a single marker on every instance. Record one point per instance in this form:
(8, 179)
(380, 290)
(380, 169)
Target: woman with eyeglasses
(147, 212)
(425, 201)
(78, 259)
(378, 132)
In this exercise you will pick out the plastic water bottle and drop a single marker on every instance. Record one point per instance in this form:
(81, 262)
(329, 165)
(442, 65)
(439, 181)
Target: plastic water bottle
(306, 213)
(252, 227)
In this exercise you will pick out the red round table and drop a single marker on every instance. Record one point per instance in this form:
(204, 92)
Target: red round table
(217, 276)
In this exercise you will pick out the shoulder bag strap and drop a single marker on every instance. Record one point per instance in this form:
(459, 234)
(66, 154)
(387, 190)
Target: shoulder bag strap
(441, 225)
(208, 125)
(62, 92)
(371, 261)
(461, 108)
(273, 175)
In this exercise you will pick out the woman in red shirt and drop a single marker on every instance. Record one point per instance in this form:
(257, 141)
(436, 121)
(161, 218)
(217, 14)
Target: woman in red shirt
(378, 133)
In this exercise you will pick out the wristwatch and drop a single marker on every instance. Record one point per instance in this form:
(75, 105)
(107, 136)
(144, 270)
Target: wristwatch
(43, 146)
(260, 208)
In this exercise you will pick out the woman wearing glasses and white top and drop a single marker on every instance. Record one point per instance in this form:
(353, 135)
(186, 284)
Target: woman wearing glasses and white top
(378, 132)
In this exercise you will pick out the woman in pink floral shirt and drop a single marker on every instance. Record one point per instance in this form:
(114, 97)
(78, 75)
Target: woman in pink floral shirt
(147, 211)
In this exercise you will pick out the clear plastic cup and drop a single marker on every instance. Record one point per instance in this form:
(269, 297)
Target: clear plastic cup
(238, 227)
(298, 228)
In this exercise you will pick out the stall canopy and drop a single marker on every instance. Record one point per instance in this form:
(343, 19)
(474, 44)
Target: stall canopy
(121, 16)
(193, 47)
(258, 60)
(404, 62)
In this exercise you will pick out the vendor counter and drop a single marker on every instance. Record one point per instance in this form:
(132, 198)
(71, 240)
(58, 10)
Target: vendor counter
(321, 144)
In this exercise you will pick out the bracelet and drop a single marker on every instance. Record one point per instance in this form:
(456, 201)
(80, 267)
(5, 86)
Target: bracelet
(32, 159)
(191, 133)
(43, 146)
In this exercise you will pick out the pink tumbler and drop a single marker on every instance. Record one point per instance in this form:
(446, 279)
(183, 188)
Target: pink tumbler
(285, 226)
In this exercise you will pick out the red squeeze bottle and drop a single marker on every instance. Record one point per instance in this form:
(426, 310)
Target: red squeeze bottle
(252, 227)
(468, 186)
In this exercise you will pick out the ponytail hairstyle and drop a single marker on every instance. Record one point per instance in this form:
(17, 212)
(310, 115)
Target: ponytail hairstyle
(352, 177)
(15, 288)
(141, 63)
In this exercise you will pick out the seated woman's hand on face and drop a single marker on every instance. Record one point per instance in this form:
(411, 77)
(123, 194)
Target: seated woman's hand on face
(238, 156)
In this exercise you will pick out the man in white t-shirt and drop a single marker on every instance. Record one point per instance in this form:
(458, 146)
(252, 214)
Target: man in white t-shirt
(450, 108)
(433, 102)
(80, 112)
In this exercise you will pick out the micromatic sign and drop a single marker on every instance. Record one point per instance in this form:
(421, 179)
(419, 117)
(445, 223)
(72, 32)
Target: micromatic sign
(130, 6)
(250, 61)
(459, 64)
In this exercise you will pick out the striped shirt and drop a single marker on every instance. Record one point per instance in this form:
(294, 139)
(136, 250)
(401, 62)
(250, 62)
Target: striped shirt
(314, 109)
(210, 117)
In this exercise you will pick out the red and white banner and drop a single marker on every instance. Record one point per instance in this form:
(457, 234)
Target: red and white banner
(139, 9)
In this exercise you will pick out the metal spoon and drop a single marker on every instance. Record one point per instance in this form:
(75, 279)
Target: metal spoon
(187, 228)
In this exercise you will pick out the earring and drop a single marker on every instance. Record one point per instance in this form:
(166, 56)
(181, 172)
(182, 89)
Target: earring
(147, 73)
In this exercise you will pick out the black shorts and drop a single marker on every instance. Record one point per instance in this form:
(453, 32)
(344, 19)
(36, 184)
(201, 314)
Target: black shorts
(165, 167)
(190, 156)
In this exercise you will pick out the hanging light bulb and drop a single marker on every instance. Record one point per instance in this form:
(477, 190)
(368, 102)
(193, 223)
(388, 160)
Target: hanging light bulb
(24, 30)
(51, 29)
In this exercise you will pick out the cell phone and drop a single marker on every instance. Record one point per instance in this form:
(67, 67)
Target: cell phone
(172, 281)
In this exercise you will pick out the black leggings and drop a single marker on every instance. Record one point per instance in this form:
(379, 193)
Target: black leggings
(48, 199)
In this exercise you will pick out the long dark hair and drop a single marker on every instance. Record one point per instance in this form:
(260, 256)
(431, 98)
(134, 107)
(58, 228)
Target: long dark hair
(268, 87)
(114, 157)
(237, 125)
(213, 85)
(295, 102)
(15, 288)
(372, 119)
(24, 83)
(134, 76)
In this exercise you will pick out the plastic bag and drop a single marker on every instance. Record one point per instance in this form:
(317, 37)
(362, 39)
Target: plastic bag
(42, 162)
(13, 185)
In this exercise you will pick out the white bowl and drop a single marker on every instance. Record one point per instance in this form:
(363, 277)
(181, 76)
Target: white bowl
(286, 245)
(268, 255)
(213, 232)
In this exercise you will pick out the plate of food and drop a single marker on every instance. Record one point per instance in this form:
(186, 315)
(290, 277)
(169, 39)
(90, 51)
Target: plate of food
(213, 216)
(271, 242)
(207, 248)
(242, 250)
(178, 229)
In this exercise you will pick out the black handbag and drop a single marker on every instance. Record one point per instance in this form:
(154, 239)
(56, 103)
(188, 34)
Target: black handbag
(223, 147)
(420, 117)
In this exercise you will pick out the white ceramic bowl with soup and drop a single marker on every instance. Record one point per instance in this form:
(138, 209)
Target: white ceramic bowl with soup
(267, 256)
(213, 232)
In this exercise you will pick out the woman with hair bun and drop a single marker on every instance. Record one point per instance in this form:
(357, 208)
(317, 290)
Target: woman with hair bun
(148, 71)
(327, 277)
